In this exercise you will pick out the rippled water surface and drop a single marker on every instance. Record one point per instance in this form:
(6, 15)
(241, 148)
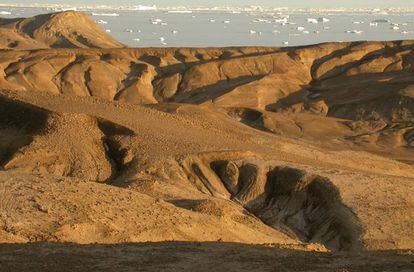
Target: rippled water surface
(209, 29)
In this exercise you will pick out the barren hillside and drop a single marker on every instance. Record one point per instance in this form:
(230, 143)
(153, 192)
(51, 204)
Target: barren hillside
(306, 149)
(56, 30)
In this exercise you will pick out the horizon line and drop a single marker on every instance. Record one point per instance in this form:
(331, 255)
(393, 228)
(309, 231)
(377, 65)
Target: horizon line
(197, 6)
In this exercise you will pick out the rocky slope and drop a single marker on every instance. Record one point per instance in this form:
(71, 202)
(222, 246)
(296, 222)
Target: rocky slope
(357, 94)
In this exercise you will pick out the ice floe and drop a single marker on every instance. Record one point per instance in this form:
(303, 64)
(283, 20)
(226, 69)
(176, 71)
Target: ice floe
(312, 20)
(323, 20)
(354, 31)
(281, 20)
(145, 8)
(105, 14)
(180, 11)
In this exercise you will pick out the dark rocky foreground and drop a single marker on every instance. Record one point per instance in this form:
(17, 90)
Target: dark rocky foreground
(180, 256)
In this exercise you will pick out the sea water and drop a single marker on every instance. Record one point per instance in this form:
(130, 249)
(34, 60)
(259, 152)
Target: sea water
(153, 28)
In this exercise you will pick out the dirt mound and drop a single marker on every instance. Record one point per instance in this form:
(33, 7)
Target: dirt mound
(17, 126)
(67, 29)
(53, 151)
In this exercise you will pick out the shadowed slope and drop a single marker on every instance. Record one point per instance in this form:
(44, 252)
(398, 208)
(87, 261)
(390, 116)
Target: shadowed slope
(203, 257)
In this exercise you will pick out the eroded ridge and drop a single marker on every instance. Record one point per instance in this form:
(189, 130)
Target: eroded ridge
(307, 206)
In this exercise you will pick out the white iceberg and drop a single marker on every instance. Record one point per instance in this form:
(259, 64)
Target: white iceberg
(381, 21)
(101, 22)
(145, 8)
(312, 20)
(281, 20)
(105, 14)
(354, 31)
(323, 20)
(157, 20)
(179, 11)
